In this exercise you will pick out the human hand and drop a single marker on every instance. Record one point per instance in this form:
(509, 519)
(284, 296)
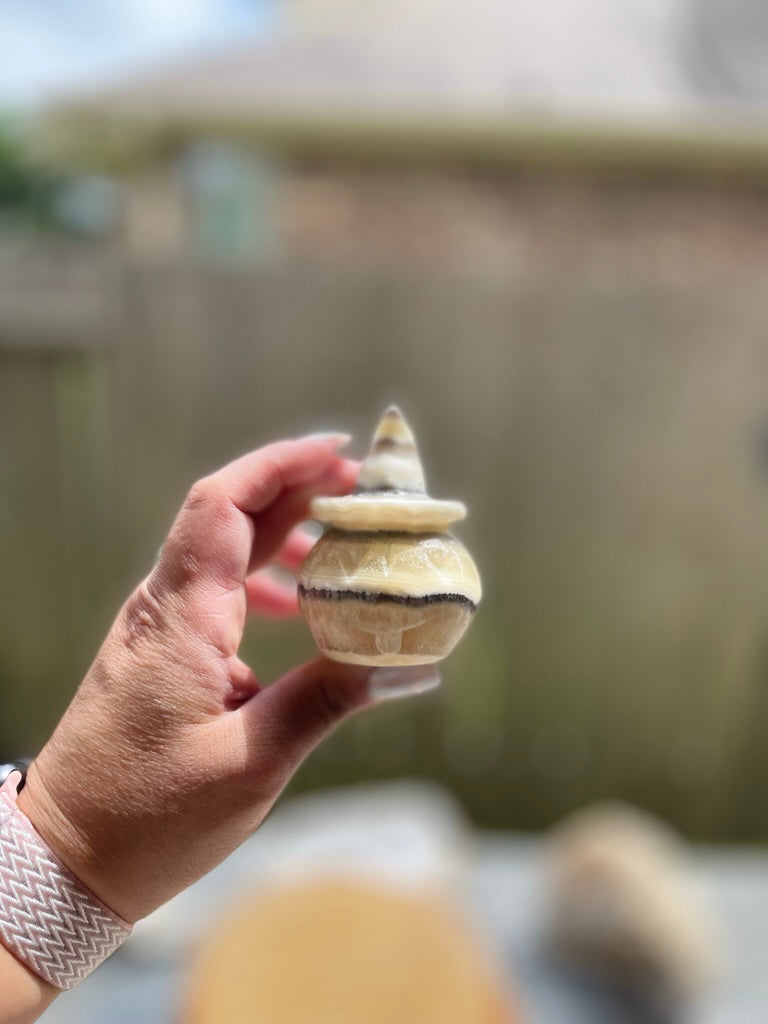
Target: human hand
(171, 753)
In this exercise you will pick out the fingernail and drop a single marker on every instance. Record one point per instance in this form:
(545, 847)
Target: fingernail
(333, 437)
(408, 680)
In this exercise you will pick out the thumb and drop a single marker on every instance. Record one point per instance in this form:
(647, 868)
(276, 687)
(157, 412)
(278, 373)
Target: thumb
(290, 717)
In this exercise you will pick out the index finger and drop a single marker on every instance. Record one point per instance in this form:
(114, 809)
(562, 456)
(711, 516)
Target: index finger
(213, 535)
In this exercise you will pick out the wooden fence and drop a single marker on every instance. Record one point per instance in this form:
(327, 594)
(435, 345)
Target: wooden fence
(609, 438)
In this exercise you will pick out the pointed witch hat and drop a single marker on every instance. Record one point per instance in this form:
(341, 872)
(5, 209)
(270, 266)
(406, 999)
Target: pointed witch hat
(391, 493)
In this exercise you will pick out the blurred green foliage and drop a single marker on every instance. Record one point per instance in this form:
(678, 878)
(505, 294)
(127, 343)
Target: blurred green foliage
(26, 190)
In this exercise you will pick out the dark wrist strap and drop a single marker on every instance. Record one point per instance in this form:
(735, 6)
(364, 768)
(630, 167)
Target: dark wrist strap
(20, 766)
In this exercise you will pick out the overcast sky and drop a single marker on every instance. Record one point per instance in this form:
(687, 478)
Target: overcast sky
(51, 45)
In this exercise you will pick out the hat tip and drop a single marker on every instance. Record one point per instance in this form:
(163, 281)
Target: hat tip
(393, 461)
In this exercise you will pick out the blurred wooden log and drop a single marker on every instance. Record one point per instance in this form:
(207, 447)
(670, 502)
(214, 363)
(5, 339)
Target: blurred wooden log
(335, 952)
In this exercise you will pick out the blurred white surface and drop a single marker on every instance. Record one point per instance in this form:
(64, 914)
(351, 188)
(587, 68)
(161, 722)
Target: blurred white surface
(411, 834)
(414, 834)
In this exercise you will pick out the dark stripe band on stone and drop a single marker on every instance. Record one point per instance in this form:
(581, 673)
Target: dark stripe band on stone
(394, 491)
(393, 444)
(374, 598)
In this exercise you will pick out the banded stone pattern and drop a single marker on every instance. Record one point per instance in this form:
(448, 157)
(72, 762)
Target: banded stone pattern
(393, 463)
(48, 919)
(390, 491)
(388, 565)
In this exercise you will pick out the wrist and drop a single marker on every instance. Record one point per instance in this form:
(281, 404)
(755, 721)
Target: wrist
(65, 840)
(61, 825)
(114, 848)
(24, 994)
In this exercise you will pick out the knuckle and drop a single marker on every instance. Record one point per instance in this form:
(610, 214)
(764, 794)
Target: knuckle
(205, 538)
(199, 495)
(143, 616)
(271, 471)
(207, 502)
(179, 563)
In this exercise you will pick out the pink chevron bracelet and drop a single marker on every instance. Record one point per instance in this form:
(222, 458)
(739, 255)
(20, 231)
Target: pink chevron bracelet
(48, 919)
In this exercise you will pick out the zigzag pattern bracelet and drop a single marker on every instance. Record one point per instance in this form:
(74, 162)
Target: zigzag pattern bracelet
(48, 919)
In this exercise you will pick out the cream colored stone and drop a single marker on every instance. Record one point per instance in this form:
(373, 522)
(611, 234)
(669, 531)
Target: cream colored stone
(385, 585)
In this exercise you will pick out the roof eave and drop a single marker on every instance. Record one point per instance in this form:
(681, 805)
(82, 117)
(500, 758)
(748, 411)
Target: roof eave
(724, 147)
